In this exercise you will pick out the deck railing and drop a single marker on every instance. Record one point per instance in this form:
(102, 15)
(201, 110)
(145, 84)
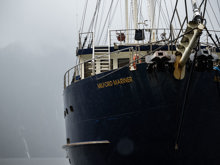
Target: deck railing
(75, 73)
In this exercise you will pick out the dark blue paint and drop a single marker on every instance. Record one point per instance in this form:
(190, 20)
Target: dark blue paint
(142, 117)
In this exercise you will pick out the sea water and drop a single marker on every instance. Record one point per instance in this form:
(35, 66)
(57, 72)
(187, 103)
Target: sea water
(34, 161)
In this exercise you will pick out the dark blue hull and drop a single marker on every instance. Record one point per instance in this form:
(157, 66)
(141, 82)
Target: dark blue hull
(148, 118)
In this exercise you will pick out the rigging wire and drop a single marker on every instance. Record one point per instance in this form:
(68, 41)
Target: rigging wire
(154, 13)
(218, 6)
(214, 14)
(185, 99)
(204, 10)
(166, 9)
(174, 11)
(212, 38)
(173, 18)
(151, 52)
(187, 20)
(96, 20)
(83, 18)
(94, 16)
(201, 4)
(210, 20)
(141, 18)
(158, 21)
(164, 18)
(106, 20)
(110, 20)
(114, 11)
(102, 15)
(120, 12)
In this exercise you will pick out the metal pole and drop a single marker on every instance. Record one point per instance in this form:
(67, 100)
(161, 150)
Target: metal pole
(126, 20)
(93, 54)
(135, 14)
(197, 17)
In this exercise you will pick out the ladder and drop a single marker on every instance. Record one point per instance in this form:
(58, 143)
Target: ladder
(102, 59)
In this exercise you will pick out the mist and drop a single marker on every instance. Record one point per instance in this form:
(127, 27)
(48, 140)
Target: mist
(37, 46)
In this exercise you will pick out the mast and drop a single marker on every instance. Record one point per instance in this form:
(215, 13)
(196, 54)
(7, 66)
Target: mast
(151, 11)
(126, 20)
(135, 14)
(197, 17)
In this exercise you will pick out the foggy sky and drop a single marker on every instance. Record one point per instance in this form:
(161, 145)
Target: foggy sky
(37, 45)
(36, 48)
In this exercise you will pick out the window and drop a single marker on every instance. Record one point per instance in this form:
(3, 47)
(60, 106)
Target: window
(87, 69)
(122, 62)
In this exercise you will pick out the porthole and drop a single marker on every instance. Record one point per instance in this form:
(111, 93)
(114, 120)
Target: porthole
(68, 140)
(67, 111)
(71, 108)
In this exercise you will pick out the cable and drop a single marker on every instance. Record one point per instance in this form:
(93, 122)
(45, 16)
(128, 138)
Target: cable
(106, 20)
(102, 14)
(153, 51)
(159, 15)
(187, 20)
(186, 95)
(212, 38)
(210, 20)
(218, 6)
(83, 18)
(214, 13)
(164, 18)
(110, 20)
(96, 19)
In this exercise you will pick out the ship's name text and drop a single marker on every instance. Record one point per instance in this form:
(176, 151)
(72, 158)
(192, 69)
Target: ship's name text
(116, 82)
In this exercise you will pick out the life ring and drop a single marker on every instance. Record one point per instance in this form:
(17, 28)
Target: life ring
(136, 60)
(120, 36)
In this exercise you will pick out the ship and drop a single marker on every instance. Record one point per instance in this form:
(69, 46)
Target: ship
(151, 96)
